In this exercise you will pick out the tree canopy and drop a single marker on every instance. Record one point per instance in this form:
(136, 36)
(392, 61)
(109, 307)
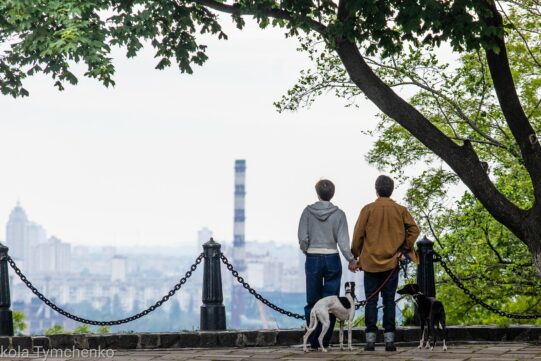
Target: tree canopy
(480, 118)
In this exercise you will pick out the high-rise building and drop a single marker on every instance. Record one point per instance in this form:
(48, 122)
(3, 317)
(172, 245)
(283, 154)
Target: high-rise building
(17, 234)
(36, 234)
(54, 256)
(237, 299)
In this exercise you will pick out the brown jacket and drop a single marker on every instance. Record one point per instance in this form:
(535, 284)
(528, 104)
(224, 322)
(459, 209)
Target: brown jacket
(384, 229)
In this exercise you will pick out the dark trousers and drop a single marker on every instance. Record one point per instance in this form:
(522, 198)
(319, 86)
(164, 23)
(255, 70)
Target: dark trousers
(372, 281)
(323, 273)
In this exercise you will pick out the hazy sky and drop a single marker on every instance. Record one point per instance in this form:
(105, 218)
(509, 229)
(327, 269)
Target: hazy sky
(151, 160)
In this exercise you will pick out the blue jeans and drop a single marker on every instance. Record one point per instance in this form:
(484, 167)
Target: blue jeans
(372, 281)
(323, 274)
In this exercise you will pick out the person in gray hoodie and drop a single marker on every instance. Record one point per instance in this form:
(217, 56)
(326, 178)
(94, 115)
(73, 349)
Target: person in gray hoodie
(323, 229)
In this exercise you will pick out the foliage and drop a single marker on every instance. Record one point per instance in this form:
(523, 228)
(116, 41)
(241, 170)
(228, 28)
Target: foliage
(81, 329)
(19, 324)
(359, 321)
(55, 330)
(50, 36)
(490, 260)
(408, 315)
(103, 329)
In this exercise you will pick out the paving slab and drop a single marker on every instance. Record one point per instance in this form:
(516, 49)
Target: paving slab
(466, 352)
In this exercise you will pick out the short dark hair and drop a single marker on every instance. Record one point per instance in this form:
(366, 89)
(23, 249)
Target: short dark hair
(384, 186)
(325, 189)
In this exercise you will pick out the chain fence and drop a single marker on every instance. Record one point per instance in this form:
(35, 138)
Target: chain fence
(473, 297)
(259, 297)
(105, 323)
(254, 293)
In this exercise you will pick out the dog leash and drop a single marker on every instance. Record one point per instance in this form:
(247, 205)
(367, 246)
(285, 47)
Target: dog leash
(364, 302)
(396, 301)
(404, 264)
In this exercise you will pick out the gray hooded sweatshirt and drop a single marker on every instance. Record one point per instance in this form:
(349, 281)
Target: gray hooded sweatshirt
(324, 225)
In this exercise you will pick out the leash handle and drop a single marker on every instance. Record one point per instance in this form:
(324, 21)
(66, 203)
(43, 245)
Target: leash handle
(404, 263)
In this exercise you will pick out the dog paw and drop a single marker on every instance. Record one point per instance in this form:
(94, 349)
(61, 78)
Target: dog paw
(444, 348)
(420, 347)
(431, 348)
(324, 349)
(350, 348)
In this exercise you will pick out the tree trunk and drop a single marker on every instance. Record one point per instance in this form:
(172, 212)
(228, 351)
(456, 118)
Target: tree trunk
(532, 236)
(506, 91)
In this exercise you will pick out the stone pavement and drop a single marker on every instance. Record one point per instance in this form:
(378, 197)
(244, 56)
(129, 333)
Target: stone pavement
(470, 351)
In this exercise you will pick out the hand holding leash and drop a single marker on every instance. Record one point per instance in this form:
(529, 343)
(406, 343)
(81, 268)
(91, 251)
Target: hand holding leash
(403, 261)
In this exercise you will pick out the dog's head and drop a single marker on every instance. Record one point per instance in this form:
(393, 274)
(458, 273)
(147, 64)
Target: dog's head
(409, 289)
(350, 288)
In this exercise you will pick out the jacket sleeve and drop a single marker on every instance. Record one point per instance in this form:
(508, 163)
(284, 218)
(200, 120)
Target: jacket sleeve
(304, 237)
(342, 238)
(359, 233)
(412, 232)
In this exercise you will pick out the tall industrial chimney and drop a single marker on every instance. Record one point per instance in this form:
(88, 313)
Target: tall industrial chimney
(237, 299)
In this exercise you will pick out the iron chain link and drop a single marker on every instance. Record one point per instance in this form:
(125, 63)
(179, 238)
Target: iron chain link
(470, 294)
(105, 323)
(254, 293)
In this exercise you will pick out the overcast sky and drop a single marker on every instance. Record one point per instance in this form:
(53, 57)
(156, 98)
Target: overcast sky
(151, 160)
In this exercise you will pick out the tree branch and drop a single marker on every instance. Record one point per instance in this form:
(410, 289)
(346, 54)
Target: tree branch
(513, 112)
(485, 87)
(462, 159)
(458, 110)
(481, 142)
(487, 239)
(520, 35)
(454, 105)
(432, 231)
(274, 13)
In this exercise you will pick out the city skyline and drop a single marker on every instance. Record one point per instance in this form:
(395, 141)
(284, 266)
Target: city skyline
(107, 283)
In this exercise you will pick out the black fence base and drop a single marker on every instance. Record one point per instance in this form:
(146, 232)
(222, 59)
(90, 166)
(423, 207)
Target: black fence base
(212, 318)
(6, 323)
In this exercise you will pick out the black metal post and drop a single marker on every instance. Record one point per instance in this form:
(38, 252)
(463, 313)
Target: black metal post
(425, 270)
(6, 316)
(212, 310)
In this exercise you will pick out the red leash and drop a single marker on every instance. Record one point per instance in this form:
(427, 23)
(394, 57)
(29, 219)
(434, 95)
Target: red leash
(364, 302)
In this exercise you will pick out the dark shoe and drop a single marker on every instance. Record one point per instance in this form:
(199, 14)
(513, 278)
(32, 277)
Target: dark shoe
(389, 346)
(370, 346)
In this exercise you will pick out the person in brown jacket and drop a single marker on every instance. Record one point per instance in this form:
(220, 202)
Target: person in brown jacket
(384, 230)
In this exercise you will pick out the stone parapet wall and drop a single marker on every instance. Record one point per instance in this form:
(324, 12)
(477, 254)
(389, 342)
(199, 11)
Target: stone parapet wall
(208, 339)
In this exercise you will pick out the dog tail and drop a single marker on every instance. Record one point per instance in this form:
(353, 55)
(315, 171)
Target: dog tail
(313, 322)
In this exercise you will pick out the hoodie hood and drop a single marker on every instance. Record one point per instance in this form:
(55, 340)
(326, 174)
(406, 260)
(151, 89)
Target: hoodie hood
(322, 210)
